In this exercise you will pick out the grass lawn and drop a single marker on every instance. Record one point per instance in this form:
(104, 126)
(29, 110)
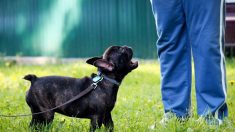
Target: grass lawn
(138, 106)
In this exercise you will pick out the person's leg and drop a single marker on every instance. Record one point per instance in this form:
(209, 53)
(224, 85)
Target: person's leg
(174, 53)
(205, 21)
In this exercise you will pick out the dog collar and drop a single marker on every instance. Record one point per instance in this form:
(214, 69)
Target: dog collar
(99, 77)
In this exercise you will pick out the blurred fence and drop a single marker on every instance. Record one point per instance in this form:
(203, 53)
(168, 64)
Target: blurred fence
(75, 28)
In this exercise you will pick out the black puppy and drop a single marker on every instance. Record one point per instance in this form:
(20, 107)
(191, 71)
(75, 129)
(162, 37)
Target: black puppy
(51, 91)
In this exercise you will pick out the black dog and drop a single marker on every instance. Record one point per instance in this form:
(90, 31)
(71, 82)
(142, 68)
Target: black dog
(51, 91)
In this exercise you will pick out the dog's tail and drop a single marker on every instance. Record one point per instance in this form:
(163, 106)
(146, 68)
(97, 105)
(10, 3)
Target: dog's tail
(30, 77)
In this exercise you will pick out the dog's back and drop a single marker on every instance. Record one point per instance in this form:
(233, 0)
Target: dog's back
(51, 91)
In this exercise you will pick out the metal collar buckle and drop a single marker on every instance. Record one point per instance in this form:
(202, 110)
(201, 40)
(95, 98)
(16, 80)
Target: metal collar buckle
(96, 80)
(94, 85)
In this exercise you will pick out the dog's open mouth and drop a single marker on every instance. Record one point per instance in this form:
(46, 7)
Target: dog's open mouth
(133, 63)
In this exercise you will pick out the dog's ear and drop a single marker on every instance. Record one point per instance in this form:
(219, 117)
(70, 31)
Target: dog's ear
(92, 60)
(104, 65)
(101, 63)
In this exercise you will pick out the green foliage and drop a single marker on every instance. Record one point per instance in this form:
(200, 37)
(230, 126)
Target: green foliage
(138, 107)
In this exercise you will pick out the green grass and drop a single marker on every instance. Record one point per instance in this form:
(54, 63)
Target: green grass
(138, 106)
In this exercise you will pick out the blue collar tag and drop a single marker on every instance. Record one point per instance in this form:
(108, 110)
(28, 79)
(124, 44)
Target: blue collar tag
(97, 79)
(100, 77)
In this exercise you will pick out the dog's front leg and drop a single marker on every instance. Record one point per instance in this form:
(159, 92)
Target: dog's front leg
(96, 122)
(108, 122)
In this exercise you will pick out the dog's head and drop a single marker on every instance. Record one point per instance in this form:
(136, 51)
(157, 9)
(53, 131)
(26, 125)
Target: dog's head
(116, 59)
